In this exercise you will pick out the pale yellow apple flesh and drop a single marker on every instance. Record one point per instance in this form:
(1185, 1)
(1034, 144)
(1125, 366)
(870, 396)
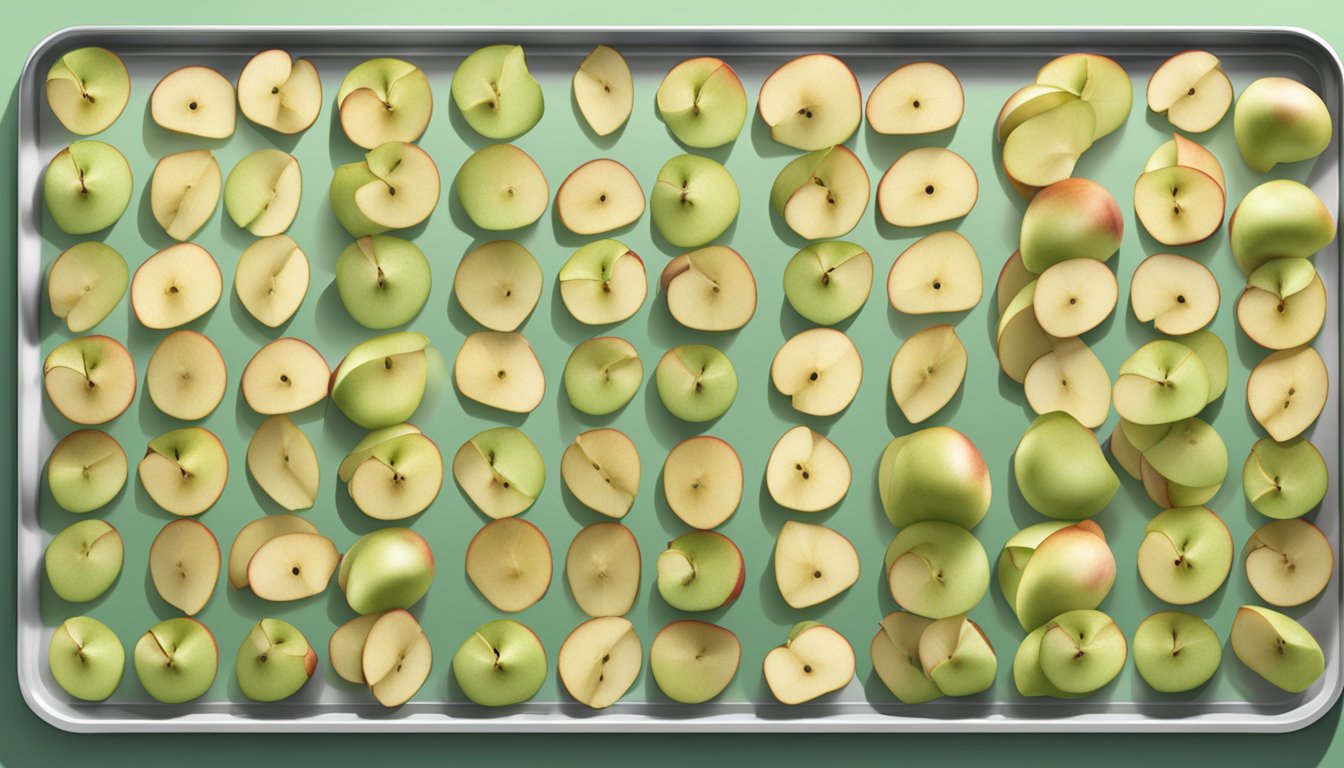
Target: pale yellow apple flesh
(195, 100)
(184, 192)
(926, 186)
(601, 468)
(702, 481)
(819, 370)
(920, 97)
(806, 471)
(271, 279)
(396, 658)
(602, 568)
(600, 660)
(813, 564)
(1287, 391)
(256, 533)
(1178, 294)
(927, 371)
(1074, 296)
(186, 376)
(509, 562)
(937, 273)
(284, 376)
(599, 196)
(500, 370)
(292, 566)
(1070, 378)
(175, 286)
(184, 564)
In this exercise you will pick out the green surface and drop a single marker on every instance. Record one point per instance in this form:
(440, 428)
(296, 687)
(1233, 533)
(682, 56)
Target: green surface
(26, 737)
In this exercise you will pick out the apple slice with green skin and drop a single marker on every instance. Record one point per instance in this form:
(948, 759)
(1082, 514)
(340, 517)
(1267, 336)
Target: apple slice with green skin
(601, 469)
(814, 661)
(86, 470)
(501, 187)
(500, 370)
(364, 195)
(272, 279)
(1103, 84)
(936, 473)
(1167, 494)
(1286, 391)
(263, 191)
(1283, 480)
(184, 564)
(1191, 453)
(292, 566)
(702, 102)
(383, 100)
(285, 376)
(915, 98)
(383, 281)
(186, 376)
(396, 658)
(1028, 677)
(602, 568)
(1070, 378)
(819, 370)
(1072, 488)
(1044, 149)
(936, 569)
(496, 94)
(1186, 555)
(274, 661)
(1178, 205)
(604, 90)
(86, 658)
(280, 92)
(710, 289)
(701, 571)
(500, 470)
(175, 286)
(87, 89)
(184, 192)
(255, 534)
(1073, 218)
(1019, 340)
(927, 371)
(926, 186)
(498, 284)
(1193, 91)
(1282, 322)
(1049, 568)
(87, 186)
(702, 481)
(85, 283)
(1280, 219)
(693, 201)
(957, 656)
(937, 273)
(386, 568)
(1178, 294)
(282, 460)
(90, 380)
(1289, 562)
(346, 648)
(501, 664)
(184, 471)
(1082, 651)
(811, 102)
(813, 563)
(382, 381)
(895, 654)
(807, 472)
(1175, 651)
(509, 562)
(828, 282)
(599, 196)
(176, 660)
(195, 100)
(603, 283)
(602, 374)
(1026, 103)
(1161, 382)
(83, 560)
(694, 661)
(1284, 277)
(696, 382)
(600, 660)
(1277, 648)
(399, 477)
(822, 194)
(1279, 120)
(1072, 297)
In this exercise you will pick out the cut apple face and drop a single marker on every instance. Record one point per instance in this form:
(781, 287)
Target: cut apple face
(600, 660)
(87, 89)
(602, 568)
(1185, 153)
(87, 187)
(696, 382)
(184, 471)
(603, 283)
(90, 380)
(1073, 218)
(1163, 381)
(702, 102)
(83, 560)
(263, 191)
(928, 185)
(1280, 219)
(195, 100)
(272, 279)
(176, 660)
(383, 100)
(396, 658)
(383, 281)
(1026, 103)
(393, 476)
(1070, 378)
(811, 102)
(1074, 296)
(184, 565)
(806, 472)
(815, 661)
(346, 647)
(693, 201)
(509, 562)
(186, 376)
(1277, 648)
(819, 370)
(822, 194)
(396, 186)
(1175, 651)
(184, 191)
(957, 656)
(1281, 480)
(710, 289)
(86, 471)
(1043, 149)
(253, 535)
(916, 98)
(701, 571)
(1289, 562)
(828, 282)
(285, 376)
(1099, 81)
(1019, 341)
(175, 286)
(813, 564)
(599, 196)
(895, 654)
(498, 284)
(604, 90)
(500, 470)
(937, 273)
(1072, 488)
(496, 94)
(1177, 294)
(85, 283)
(927, 371)
(1186, 555)
(1192, 89)
(500, 370)
(936, 569)
(1280, 120)
(1286, 391)
(601, 469)
(292, 566)
(381, 381)
(501, 187)
(1178, 205)
(86, 659)
(280, 92)
(1277, 321)
(702, 481)
(602, 374)
(694, 661)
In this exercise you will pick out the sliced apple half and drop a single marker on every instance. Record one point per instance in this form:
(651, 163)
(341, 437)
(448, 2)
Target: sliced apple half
(601, 468)
(346, 647)
(175, 286)
(604, 90)
(1074, 296)
(600, 660)
(1013, 277)
(710, 289)
(927, 186)
(811, 102)
(828, 282)
(285, 376)
(383, 100)
(936, 569)
(822, 194)
(253, 535)
(1186, 153)
(1276, 647)
(85, 283)
(599, 196)
(396, 658)
(1192, 89)
(813, 563)
(1019, 341)
(819, 370)
(498, 283)
(263, 191)
(1098, 80)
(83, 560)
(916, 98)
(184, 471)
(937, 273)
(500, 370)
(603, 282)
(927, 371)
(1070, 378)
(195, 100)
(186, 376)
(90, 380)
(1289, 562)
(957, 656)
(895, 654)
(509, 562)
(815, 660)
(382, 381)
(1281, 480)
(272, 279)
(1027, 102)
(702, 481)
(87, 89)
(292, 566)
(1286, 391)
(500, 470)
(1161, 382)
(1178, 294)
(184, 191)
(280, 92)
(496, 93)
(696, 382)
(602, 568)
(807, 472)
(1281, 322)
(184, 565)
(393, 478)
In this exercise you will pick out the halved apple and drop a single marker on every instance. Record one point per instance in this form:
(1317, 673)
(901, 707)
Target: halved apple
(280, 92)
(1161, 382)
(253, 535)
(702, 102)
(927, 371)
(195, 100)
(694, 200)
(1278, 321)
(696, 382)
(272, 279)
(87, 89)
(383, 281)
(498, 283)
(175, 286)
(915, 98)
(927, 185)
(393, 477)
(701, 571)
(1179, 205)
(509, 562)
(811, 102)
(895, 654)
(283, 462)
(85, 283)
(501, 471)
(184, 191)
(939, 272)
(828, 282)
(83, 560)
(602, 374)
(936, 569)
(710, 289)
(599, 196)
(500, 370)
(1044, 149)
(186, 376)
(1281, 480)
(806, 471)
(602, 568)
(184, 565)
(90, 380)
(382, 381)
(1098, 80)
(1185, 555)
(1276, 647)
(396, 658)
(86, 470)
(87, 187)
(819, 370)
(496, 93)
(1289, 562)
(702, 481)
(815, 660)
(694, 661)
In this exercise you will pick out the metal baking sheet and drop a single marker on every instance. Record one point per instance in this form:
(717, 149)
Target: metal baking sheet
(991, 62)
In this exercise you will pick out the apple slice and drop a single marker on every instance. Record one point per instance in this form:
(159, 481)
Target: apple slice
(602, 568)
(936, 569)
(819, 370)
(1070, 378)
(256, 533)
(696, 382)
(694, 661)
(364, 195)
(175, 286)
(815, 660)
(195, 100)
(1185, 153)
(915, 98)
(601, 469)
(498, 284)
(285, 376)
(1026, 103)
(496, 94)
(274, 662)
(383, 281)
(501, 187)
(1044, 149)
(1082, 651)
(828, 282)
(1281, 480)
(396, 658)
(90, 380)
(1191, 453)
(811, 102)
(1074, 296)
(501, 471)
(346, 647)
(383, 100)
(599, 196)
(87, 187)
(821, 194)
(1179, 205)
(813, 564)
(272, 279)
(87, 89)
(394, 478)
(86, 471)
(895, 654)
(710, 289)
(382, 381)
(1286, 391)
(957, 656)
(86, 658)
(807, 472)
(1185, 555)
(186, 376)
(604, 90)
(1019, 341)
(1192, 90)
(85, 283)
(502, 663)
(280, 92)
(939, 272)
(176, 660)
(184, 471)
(702, 102)
(927, 185)
(1175, 651)
(603, 283)
(702, 481)
(600, 660)
(1282, 322)
(84, 560)
(693, 201)
(500, 370)
(1163, 381)
(509, 562)
(1289, 562)
(701, 571)
(184, 565)
(1098, 80)
(263, 191)
(1277, 648)
(927, 372)
(292, 566)
(184, 191)
(1177, 293)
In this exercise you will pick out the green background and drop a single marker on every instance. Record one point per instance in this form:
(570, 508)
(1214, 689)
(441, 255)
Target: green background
(28, 741)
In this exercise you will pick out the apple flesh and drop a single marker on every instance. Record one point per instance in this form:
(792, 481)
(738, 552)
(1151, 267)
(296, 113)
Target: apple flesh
(501, 187)
(90, 380)
(396, 658)
(499, 370)
(1070, 378)
(500, 469)
(694, 661)
(937, 273)
(1072, 297)
(274, 661)
(599, 196)
(822, 194)
(292, 566)
(601, 469)
(811, 102)
(828, 282)
(184, 471)
(701, 571)
(280, 92)
(702, 102)
(694, 200)
(272, 279)
(86, 659)
(600, 660)
(501, 664)
(1176, 293)
(509, 562)
(806, 471)
(498, 284)
(1082, 651)
(87, 89)
(957, 656)
(603, 282)
(928, 185)
(604, 90)
(496, 94)
(395, 186)
(1185, 555)
(86, 471)
(710, 289)
(702, 481)
(1044, 148)
(1282, 480)
(184, 191)
(927, 372)
(1098, 80)
(186, 376)
(262, 192)
(382, 381)
(602, 569)
(936, 569)
(253, 535)
(814, 661)
(83, 560)
(916, 98)
(383, 100)
(285, 376)
(895, 655)
(813, 563)
(176, 660)
(1289, 562)
(175, 286)
(1161, 382)
(87, 187)
(819, 370)
(196, 101)
(85, 283)
(1192, 89)
(394, 478)
(1286, 391)
(696, 382)
(1277, 648)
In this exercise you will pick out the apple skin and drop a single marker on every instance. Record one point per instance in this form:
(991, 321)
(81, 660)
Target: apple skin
(1073, 218)
(1277, 648)
(696, 382)
(701, 571)
(1049, 568)
(86, 658)
(496, 94)
(1061, 470)
(501, 664)
(1186, 554)
(693, 201)
(1082, 651)
(176, 660)
(87, 89)
(1284, 480)
(81, 377)
(387, 568)
(936, 569)
(694, 661)
(501, 187)
(828, 282)
(1028, 677)
(895, 654)
(87, 187)
(702, 102)
(383, 100)
(1278, 120)
(274, 661)
(383, 281)
(363, 192)
(85, 283)
(1175, 651)
(957, 656)
(933, 474)
(86, 470)
(83, 560)
(381, 382)
(1279, 219)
